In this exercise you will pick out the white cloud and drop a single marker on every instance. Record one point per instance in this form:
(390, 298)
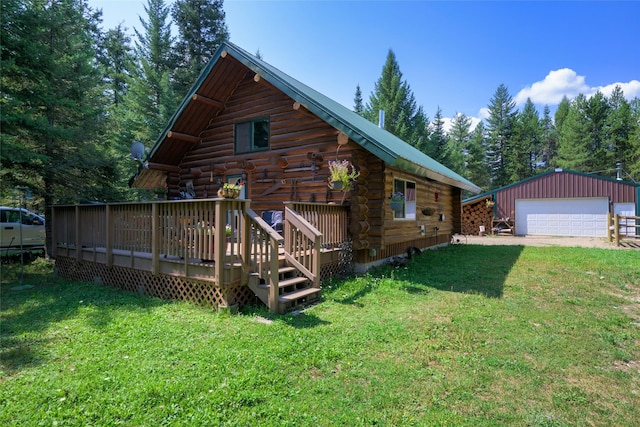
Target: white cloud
(631, 90)
(558, 83)
(448, 123)
(566, 82)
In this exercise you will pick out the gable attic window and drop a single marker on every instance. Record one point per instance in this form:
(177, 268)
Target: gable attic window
(407, 188)
(252, 135)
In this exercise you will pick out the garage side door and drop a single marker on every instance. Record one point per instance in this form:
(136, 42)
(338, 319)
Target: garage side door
(578, 217)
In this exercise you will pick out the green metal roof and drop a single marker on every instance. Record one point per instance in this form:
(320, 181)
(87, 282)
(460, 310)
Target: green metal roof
(549, 172)
(391, 149)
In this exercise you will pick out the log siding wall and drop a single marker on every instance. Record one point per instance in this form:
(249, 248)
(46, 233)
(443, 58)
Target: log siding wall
(300, 141)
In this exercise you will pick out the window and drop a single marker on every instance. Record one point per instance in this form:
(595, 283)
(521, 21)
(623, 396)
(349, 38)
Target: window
(252, 135)
(407, 188)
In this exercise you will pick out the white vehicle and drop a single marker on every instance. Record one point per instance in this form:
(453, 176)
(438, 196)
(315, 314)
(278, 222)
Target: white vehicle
(16, 223)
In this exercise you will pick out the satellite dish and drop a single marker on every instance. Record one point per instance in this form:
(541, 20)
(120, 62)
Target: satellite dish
(137, 151)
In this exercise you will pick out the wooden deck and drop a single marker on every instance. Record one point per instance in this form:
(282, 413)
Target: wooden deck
(176, 252)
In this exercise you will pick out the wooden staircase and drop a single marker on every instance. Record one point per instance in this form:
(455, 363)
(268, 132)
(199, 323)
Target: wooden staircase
(295, 291)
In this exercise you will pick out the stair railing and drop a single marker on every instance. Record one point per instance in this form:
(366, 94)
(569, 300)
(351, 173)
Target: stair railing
(302, 245)
(261, 252)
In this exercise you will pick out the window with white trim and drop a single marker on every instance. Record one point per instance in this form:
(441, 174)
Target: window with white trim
(408, 189)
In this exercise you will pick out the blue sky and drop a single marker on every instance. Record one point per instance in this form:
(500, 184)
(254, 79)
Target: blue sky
(453, 54)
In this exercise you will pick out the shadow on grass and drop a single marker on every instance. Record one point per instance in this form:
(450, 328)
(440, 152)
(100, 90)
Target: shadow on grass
(29, 310)
(469, 269)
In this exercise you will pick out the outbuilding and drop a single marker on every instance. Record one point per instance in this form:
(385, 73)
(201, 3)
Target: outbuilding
(556, 203)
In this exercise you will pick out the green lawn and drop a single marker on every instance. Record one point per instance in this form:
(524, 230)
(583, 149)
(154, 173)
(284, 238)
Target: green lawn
(464, 336)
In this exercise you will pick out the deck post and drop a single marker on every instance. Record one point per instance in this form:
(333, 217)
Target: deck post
(155, 239)
(109, 237)
(245, 254)
(273, 277)
(616, 228)
(317, 250)
(219, 242)
(54, 235)
(78, 240)
(609, 229)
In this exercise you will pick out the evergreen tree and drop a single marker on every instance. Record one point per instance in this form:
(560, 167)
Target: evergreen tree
(394, 96)
(116, 58)
(201, 30)
(151, 102)
(549, 140)
(52, 103)
(438, 139)
(458, 143)
(476, 169)
(633, 164)
(619, 127)
(525, 147)
(561, 113)
(574, 142)
(358, 105)
(500, 129)
(602, 159)
(118, 63)
(422, 132)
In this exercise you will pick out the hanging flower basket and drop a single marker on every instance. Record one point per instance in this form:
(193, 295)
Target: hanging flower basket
(396, 200)
(341, 175)
(230, 191)
(396, 206)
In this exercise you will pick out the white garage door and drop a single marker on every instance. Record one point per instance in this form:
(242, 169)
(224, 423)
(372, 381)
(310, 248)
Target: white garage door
(579, 217)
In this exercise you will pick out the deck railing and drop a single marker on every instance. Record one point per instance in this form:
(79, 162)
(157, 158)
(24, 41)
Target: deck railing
(330, 220)
(184, 229)
(199, 238)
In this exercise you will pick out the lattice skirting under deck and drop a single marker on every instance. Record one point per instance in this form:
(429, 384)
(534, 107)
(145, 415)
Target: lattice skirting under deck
(160, 285)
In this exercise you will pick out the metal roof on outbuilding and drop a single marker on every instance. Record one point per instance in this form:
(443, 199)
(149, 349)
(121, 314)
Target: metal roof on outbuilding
(560, 184)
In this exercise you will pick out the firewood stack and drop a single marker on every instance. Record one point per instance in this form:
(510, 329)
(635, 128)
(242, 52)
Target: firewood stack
(475, 215)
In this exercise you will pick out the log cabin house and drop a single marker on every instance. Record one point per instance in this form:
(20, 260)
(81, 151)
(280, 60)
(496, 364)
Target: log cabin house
(244, 120)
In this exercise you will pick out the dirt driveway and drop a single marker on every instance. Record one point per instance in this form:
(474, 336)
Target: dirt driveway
(585, 242)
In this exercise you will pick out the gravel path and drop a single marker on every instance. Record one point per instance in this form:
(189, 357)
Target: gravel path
(585, 242)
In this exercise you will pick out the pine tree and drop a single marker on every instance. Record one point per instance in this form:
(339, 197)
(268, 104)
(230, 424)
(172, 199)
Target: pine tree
(116, 58)
(525, 147)
(438, 139)
(476, 169)
(358, 105)
(118, 63)
(500, 129)
(201, 30)
(633, 163)
(561, 113)
(458, 143)
(549, 140)
(619, 127)
(393, 95)
(602, 158)
(53, 104)
(574, 142)
(151, 101)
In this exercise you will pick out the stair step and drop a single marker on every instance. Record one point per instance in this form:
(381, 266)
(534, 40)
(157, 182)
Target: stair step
(286, 270)
(292, 281)
(292, 296)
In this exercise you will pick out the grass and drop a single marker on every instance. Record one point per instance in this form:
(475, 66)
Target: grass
(465, 336)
